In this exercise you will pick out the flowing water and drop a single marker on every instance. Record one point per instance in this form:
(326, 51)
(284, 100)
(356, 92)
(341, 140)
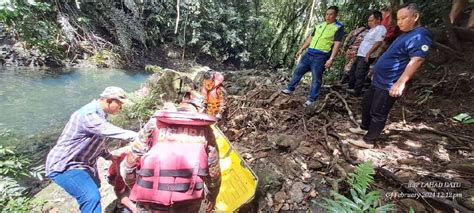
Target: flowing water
(35, 100)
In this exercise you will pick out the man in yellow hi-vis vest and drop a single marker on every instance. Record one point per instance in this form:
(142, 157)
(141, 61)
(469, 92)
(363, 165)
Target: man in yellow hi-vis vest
(323, 45)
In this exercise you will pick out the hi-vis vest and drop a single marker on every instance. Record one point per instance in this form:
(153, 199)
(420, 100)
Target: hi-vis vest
(173, 170)
(323, 38)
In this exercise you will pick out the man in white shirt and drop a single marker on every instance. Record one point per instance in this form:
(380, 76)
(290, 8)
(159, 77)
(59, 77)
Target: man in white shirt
(367, 53)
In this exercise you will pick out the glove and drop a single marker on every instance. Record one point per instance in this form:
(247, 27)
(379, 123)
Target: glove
(219, 116)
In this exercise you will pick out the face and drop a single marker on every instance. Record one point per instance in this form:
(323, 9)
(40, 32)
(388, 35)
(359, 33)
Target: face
(330, 16)
(114, 106)
(208, 84)
(407, 20)
(373, 21)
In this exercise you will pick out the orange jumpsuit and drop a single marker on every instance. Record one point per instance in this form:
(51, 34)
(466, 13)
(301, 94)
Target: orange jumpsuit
(214, 94)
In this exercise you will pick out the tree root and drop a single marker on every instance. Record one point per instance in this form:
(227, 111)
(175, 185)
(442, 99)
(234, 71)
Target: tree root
(351, 115)
(443, 134)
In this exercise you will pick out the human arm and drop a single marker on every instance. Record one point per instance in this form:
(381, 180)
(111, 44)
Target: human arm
(379, 35)
(417, 49)
(415, 63)
(222, 93)
(97, 125)
(305, 45)
(372, 50)
(213, 180)
(335, 48)
(137, 149)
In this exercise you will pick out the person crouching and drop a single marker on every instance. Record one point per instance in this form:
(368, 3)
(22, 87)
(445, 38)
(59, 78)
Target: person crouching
(176, 165)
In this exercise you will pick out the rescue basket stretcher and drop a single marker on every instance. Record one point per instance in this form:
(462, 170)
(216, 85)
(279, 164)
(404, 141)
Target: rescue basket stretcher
(238, 181)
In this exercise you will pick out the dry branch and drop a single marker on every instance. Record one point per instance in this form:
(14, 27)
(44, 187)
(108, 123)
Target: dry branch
(351, 115)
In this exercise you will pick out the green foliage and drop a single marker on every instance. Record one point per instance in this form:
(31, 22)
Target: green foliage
(153, 68)
(336, 71)
(104, 57)
(22, 204)
(248, 33)
(13, 167)
(34, 23)
(13, 164)
(355, 13)
(360, 200)
(142, 109)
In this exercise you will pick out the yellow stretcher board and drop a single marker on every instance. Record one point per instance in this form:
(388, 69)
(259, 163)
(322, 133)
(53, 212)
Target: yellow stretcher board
(238, 182)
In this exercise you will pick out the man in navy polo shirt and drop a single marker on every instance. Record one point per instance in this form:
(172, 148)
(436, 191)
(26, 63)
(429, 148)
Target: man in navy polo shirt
(392, 72)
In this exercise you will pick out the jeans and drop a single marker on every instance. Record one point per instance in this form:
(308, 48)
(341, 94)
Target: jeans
(358, 73)
(82, 186)
(375, 108)
(315, 64)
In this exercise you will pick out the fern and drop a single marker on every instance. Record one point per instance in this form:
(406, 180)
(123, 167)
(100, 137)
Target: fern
(360, 201)
(362, 177)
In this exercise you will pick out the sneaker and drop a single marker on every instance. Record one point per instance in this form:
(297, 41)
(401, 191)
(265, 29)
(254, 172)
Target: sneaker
(308, 103)
(358, 131)
(286, 91)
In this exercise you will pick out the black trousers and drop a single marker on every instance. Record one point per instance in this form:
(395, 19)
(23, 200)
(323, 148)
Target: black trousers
(375, 108)
(358, 73)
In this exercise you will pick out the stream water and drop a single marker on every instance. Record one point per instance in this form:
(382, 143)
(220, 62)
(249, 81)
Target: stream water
(34, 100)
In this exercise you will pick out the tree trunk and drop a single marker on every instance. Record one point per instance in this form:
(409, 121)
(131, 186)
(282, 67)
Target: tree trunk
(452, 39)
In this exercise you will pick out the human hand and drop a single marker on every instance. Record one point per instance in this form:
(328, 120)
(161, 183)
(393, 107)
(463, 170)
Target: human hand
(397, 89)
(209, 205)
(138, 147)
(366, 59)
(328, 63)
(297, 55)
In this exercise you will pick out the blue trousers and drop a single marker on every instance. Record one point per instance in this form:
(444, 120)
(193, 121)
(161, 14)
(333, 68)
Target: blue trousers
(315, 64)
(82, 186)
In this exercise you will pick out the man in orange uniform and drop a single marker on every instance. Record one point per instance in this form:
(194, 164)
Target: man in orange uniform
(214, 94)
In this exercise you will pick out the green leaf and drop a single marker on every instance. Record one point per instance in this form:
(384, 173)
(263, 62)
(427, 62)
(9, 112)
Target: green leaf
(385, 208)
(356, 198)
(344, 200)
(332, 206)
(372, 198)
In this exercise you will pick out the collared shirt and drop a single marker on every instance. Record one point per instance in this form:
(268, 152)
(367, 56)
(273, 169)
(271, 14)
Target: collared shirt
(376, 34)
(82, 140)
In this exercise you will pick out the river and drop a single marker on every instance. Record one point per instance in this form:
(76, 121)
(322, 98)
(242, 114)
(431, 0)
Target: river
(35, 100)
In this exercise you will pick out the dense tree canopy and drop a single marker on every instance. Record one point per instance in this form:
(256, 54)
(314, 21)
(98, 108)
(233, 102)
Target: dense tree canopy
(243, 33)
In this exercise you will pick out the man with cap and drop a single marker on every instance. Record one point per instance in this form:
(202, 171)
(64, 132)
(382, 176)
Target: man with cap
(72, 162)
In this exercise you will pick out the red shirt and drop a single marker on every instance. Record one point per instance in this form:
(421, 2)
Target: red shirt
(392, 30)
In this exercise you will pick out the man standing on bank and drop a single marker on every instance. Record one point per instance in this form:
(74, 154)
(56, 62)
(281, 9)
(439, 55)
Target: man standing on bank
(392, 72)
(323, 45)
(367, 53)
(72, 162)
